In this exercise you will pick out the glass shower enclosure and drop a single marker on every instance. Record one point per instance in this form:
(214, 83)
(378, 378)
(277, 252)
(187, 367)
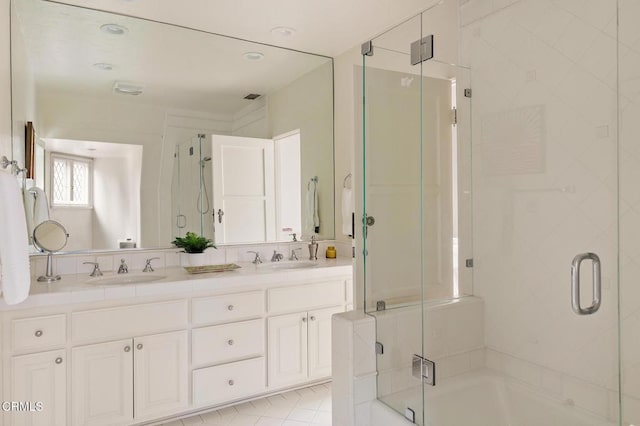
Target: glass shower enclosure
(491, 208)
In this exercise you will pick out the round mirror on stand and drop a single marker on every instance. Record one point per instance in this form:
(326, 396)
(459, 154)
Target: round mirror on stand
(50, 237)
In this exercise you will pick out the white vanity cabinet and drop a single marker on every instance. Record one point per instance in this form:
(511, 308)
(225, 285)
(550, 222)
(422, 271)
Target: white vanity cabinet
(134, 379)
(136, 360)
(40, 377)
(300, 342)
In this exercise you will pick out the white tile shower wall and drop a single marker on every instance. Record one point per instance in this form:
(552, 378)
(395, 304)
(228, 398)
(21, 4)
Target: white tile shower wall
(545, 181)
(453, 338)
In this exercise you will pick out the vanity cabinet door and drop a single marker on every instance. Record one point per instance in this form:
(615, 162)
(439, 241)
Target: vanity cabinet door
(102, 384)
(320, 341)
(161, 374)
(41, 378)
(287, 349)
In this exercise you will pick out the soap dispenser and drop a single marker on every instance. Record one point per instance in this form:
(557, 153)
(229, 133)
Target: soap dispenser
(313, 249)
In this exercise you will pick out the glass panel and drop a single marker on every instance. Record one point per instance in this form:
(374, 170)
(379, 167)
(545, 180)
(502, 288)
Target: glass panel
(80, 183)
(392, 191)
(545, 182)
(60, 181)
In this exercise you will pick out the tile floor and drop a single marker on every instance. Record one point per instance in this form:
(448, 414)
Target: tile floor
(304, 407)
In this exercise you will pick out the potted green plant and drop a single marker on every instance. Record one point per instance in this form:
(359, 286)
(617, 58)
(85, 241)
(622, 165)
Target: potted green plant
(193, 247)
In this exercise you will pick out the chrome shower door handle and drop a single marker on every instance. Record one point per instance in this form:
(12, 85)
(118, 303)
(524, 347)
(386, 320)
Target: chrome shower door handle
(220, 214)
(575, 284)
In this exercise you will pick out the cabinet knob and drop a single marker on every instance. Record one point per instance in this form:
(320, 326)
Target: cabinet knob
(313, 318)
(127, 348)
(230, 307)
(58, 360)
(231, 383)
(304, 319)
(38, 333)
(230, 342)
(139, 346)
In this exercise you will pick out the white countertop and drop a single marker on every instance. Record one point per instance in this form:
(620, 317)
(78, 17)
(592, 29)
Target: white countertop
(80, 288)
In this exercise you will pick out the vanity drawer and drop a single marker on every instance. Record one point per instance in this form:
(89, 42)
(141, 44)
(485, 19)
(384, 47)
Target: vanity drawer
(304, 297)
(224, 343)
(127, 321)
(38, 333)
(228, 307)
(227, 382)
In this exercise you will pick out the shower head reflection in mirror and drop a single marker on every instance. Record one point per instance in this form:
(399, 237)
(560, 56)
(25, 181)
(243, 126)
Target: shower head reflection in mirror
(75, 103)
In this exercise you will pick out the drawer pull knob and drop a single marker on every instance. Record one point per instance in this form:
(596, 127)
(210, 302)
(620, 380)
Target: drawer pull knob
(127, 348)
(38, 333)
(230, 342)
(304, 319)
(58, 360)
(230, 307)
(139, 346)
(231, 383)
(313, 318)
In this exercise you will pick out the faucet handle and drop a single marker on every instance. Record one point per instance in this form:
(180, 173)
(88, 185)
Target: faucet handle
(123, 269)
(293, 255)
(96, 269)
(295, 238)
(148, 267)
(257, 259)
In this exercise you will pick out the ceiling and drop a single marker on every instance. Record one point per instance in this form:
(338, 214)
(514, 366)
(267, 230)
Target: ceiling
(326, 27)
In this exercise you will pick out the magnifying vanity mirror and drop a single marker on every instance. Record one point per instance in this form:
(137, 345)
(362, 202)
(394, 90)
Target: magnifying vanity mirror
(50, 237)
(152, 130)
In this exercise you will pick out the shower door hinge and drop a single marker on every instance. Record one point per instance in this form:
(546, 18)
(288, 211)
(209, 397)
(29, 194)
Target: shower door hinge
(468, 263)
(409, 414)
(467, 93)
(367, 48)
(422, 50)
(379, 348)
(454, 116)
(424, 369)
(381, 305)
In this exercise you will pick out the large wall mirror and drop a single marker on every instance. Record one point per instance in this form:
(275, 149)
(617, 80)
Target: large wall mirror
(149, 130)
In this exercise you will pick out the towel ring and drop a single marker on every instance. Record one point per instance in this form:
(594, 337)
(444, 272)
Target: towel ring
(346, 178)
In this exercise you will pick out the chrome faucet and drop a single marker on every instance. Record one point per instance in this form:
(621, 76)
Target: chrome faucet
(295, 238)
(257, 259)
(123, 269)
(277, 257)
(96, 269)
(293, 255)
(148, 267)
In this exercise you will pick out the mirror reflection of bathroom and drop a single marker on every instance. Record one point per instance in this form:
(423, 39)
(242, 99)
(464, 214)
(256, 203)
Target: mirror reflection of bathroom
(235, 189)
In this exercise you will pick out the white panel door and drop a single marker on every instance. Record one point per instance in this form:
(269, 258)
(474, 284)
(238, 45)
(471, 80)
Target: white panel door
(40, 377)
(287, 349)
(319, 346)
(102, 384)
(244, 189)
(161, 374)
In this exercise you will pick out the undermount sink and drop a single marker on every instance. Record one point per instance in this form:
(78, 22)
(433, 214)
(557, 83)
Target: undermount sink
(294, 264)
(126, 279)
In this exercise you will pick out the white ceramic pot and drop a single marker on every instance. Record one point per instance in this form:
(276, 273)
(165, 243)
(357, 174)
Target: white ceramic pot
(194, 259)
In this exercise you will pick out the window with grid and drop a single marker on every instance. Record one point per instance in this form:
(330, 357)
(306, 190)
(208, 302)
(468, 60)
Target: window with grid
(71, 179)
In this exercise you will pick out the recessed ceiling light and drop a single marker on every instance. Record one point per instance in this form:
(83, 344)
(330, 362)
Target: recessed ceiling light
(114, 29)
(253, 56)
(103, 66)
(127, 88)
(283, 31)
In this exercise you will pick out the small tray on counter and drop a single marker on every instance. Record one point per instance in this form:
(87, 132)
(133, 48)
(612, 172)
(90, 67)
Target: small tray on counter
(205, 269)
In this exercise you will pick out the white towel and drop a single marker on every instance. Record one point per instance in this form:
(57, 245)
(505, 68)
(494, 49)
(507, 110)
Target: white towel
(347, 210)
(36, 208)
(15, 278)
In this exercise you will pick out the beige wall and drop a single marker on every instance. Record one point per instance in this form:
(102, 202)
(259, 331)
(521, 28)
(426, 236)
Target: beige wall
(5, 80)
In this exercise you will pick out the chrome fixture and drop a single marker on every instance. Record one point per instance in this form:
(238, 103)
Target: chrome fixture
(295, 238)
(148, 267)
(313, 249)
(123, 269)
(257, 259)
(96, 269)
(277, 257)
(575, 284)
(293, 255)
(424, 369)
